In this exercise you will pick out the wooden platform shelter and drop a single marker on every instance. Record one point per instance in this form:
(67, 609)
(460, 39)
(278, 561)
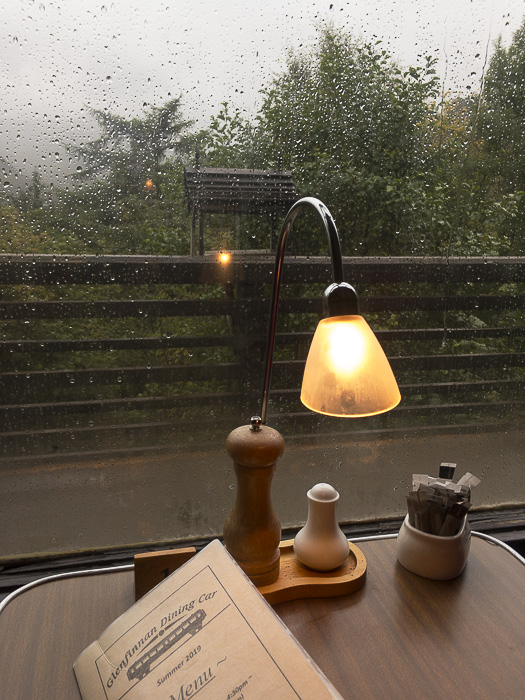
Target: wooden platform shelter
(235, 191)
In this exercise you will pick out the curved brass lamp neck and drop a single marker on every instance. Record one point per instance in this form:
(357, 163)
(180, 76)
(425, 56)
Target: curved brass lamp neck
(339, 298)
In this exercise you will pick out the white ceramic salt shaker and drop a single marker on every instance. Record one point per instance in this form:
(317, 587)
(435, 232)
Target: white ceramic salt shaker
(321, 544)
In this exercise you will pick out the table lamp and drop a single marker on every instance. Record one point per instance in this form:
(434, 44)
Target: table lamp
(347, 374)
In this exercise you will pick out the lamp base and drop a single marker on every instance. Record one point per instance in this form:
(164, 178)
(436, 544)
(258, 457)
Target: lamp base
(298, 581)
(295, 581)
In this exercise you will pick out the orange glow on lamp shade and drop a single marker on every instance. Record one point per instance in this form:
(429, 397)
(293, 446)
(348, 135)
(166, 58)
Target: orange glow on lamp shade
(347, 372)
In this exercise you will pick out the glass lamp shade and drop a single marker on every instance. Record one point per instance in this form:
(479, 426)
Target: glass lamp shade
(347, 372)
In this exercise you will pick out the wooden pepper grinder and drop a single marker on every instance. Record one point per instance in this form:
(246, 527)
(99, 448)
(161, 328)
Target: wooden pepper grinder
(252, 531)
(321, 545)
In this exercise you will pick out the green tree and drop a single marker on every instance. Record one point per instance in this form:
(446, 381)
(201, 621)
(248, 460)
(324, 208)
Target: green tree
(32, 196)
(355, 129)
(127, 196)
(501, 128)
(460, 212)
(94, 219)
(230, 141)
(131, 151)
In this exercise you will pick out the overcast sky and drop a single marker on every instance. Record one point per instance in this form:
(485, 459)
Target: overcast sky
(60, 57)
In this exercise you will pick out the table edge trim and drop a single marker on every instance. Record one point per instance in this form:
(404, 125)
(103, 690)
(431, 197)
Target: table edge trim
(63, 575)
(129, 567)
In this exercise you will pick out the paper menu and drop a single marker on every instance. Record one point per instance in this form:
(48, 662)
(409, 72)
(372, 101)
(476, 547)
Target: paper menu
(203, 631)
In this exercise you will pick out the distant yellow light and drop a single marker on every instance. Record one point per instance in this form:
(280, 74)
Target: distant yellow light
(224, 258)
(149, 185)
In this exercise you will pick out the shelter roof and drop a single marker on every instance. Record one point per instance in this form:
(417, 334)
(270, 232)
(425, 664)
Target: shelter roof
(224, 190)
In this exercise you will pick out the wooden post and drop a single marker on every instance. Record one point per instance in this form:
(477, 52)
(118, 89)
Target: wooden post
(201, 232)
(192, 232)
(273, 221)
(237, 231)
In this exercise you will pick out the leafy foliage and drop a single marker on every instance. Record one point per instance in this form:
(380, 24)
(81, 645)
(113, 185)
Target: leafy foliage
(230, 141)
(350, 124)
(502, 128)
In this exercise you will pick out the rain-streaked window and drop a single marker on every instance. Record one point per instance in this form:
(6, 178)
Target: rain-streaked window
(148, 155)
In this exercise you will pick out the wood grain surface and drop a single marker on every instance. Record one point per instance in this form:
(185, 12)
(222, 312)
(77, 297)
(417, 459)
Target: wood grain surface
(43, 631)
(400, 636)
(403, 636)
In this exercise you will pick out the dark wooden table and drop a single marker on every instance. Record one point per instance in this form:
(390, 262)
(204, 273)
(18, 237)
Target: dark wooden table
(401, 636)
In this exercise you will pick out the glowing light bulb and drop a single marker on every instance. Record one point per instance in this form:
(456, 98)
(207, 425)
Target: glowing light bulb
(345, 347)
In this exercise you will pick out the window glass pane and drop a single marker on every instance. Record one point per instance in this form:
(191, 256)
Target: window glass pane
(148, 156)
